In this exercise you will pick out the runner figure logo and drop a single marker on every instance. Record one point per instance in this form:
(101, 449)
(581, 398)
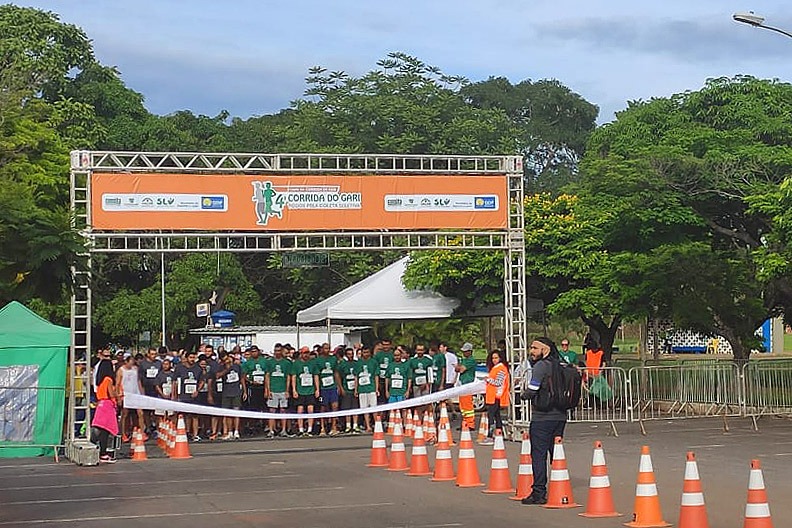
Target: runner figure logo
(269, 202)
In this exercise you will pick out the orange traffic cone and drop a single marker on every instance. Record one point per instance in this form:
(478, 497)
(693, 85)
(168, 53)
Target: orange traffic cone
(138, 447)
(600, 497)
(483, 430)
(419, 461)
(181, 449)
(757, 510)
(692, 512)
(525, 473)
(467, 470)
(160, 434)
(444, 466)
(398, 457)
(169, 438)
(379, 450)
(391, 421)
(559, 489)
(445, 421)
(500, 478)
(408, 425)
(646, 513)
(430, 429)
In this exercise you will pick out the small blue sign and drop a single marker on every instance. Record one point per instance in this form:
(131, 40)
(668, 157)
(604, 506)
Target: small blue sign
(484, 202)
(213, 202)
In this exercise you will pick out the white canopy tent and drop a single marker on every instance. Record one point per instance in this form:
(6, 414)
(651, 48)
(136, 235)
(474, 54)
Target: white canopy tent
(380, 296)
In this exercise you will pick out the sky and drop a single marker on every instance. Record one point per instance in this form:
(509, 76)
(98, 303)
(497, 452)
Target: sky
(251, 57)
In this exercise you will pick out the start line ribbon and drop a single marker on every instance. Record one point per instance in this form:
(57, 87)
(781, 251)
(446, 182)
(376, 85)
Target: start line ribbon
(139, 401)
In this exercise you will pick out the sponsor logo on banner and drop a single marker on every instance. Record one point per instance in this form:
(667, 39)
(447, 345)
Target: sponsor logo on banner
(270, 200)
(160, 202)
(395, 203)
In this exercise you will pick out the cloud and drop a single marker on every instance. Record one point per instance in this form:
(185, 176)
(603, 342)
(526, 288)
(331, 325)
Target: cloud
(703, 39)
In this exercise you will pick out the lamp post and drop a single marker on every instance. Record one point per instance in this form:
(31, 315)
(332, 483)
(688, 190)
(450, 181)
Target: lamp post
(755, 20)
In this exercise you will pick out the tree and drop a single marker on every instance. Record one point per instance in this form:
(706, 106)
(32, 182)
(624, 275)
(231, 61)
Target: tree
(697, 184)
(553, 124)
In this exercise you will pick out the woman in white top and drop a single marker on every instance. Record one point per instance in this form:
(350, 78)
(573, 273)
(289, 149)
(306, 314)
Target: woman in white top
(128, 382)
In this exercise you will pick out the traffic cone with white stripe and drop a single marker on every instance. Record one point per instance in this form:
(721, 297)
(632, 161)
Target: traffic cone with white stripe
(419, 460)
(445, 421)
(170, 438)
(483, 431)
(600, 497)
(161, 433)
(398, 456)
(408, 425)
(646, 513)
(757, 510)
(181, 450)
(467, 469)
(559, 489)
(500, 478)
(391, 422)
(692, 512)
(138, 447)
(379, 449)
(444, 465)
(430, 429)
(525, 473)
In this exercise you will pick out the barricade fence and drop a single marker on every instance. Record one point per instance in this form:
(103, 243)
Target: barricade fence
(31, 417)
(689, 390)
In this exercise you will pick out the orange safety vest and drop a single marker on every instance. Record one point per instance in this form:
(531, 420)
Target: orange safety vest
(492, 391)
(593, 362)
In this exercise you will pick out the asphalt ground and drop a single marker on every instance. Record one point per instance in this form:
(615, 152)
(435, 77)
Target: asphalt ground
(324, 483)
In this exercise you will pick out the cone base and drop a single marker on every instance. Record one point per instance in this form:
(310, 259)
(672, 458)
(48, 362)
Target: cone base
(658, 524)
(385, 464)
(493, 492)
(562, 506)
(476, 485)
(139, 459)
(183, 457)
(518, 497)
(422, 474)
(398, 469)
(442, 479)
(598, 515)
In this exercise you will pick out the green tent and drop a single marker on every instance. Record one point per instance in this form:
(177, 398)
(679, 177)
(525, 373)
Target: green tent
(33, 357)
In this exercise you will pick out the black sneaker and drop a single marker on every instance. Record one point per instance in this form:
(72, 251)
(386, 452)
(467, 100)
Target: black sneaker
(534, 499)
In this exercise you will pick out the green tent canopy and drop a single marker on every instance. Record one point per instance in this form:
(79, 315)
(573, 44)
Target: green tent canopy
(33, 357)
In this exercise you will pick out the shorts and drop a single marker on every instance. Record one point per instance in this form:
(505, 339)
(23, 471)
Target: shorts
(232, 402)
(348, 401)
(418, 391)
(202, 399)
(305, 400)
(151, 392)
(367, 399)
(329, 396)
(395, 399)
(256, 398)
(448, 386)
(278, 400)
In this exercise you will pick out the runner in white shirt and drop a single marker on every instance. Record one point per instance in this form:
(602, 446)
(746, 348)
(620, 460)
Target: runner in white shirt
(129, 383)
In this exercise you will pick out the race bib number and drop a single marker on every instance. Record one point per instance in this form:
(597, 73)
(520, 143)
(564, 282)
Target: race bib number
(189, 388)
(258, 378)
(397, 383)
(152, 372)
(166, 389)
(326, 382)
(219, 386)
(232, 377)
(306, 380)
(420, 380)
(350, 381)
(365, 379)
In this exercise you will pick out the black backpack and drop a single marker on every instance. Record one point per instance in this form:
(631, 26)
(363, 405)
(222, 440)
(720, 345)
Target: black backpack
(566, 385)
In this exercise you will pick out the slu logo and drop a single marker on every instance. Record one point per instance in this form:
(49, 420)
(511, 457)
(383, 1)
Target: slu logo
(269, 202)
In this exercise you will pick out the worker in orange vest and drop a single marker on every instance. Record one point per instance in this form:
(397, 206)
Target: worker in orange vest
(497, 392)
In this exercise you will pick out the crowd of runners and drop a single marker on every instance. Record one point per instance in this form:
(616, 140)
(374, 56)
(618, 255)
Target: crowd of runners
(304, 381)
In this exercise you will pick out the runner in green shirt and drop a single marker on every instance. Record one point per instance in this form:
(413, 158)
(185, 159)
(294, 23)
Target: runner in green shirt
(384, 358)
(347, 374)
(255, 370)
(438, 369)
(328, 386)
(397, 379)
(305, 388)
(367, 384)
(277, 388)
(566, 354)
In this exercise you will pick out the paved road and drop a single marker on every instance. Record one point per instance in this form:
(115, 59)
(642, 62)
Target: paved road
(323, 483)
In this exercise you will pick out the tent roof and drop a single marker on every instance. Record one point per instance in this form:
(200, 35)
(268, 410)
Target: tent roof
(21, 327)
(380, 296)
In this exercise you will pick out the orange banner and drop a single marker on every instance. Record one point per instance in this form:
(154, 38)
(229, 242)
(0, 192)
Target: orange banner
(217, 202)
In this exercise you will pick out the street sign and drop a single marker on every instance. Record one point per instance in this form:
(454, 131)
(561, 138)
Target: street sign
(305, 260)
(202, 310)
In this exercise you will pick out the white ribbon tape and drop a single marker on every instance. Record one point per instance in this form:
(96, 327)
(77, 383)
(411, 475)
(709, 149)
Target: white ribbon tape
(139, 401)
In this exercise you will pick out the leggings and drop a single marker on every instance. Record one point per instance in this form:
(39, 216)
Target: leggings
(494, 417)
(103, 438)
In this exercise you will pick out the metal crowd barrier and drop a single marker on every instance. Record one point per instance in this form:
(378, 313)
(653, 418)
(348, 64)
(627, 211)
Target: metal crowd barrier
(768, 388)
